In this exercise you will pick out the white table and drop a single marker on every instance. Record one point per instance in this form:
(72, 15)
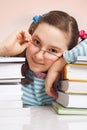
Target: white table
(42, 118)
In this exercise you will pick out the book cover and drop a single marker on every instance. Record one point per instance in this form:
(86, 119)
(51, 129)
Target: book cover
(72, 100)
(68, 111)
(73, 86)
(75, 72)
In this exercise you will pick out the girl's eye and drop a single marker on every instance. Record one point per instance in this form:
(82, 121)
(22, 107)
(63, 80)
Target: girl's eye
(52, 50)
(36, 42)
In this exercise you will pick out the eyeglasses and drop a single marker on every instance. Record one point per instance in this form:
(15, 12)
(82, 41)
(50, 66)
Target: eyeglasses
(48, 54)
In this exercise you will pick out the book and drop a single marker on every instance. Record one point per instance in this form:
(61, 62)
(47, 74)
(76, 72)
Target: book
(81, 60)
(72, 100)
(10, 88)
(75, 72)
(21, 112)
(8, 59)
(10, 97)
(14, 119)
(11, 104)
(68, 111)
(10, 67)
(71, 86)
(8, 80)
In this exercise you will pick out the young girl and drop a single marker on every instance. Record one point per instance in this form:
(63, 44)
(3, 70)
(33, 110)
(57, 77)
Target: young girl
(50, 35)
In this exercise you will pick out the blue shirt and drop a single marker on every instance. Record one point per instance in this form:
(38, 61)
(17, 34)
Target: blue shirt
(34, 92)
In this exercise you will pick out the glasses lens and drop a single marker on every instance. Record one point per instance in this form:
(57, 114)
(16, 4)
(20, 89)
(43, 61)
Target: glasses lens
(51, 56)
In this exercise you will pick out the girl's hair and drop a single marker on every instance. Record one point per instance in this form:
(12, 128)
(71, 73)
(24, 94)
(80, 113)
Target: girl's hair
(62, 21)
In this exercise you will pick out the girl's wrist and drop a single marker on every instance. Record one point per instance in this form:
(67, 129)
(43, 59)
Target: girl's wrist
(69, 57)
(3, 50)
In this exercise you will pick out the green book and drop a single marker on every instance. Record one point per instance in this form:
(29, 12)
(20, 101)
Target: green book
(68, 111)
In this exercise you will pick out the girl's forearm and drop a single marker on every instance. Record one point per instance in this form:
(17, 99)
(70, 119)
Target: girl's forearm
(70, 56)
(3, 52)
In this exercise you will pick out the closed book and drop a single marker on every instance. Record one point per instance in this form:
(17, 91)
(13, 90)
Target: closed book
(11, 104)
(10, 88)
(8, 80)
(81, 60)
(10, 67)
(72, 100)
(10, 97)
(75, 72)
(73, 86)
(16, 112)
(68, 111)
(8, 59)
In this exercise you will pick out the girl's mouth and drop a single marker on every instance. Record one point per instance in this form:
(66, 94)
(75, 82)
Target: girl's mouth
(37, 62)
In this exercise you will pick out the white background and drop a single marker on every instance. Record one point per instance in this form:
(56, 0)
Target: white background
(16, 14)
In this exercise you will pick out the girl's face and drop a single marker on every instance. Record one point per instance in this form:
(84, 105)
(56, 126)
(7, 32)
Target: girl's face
(48, 44)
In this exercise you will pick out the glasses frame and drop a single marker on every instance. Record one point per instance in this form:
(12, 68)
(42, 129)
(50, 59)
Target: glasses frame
(45, 51)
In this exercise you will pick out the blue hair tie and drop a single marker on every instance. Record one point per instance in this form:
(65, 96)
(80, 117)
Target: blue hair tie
(36, 18)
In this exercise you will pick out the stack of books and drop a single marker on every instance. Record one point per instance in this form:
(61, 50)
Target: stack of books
(10, 82)
(72, 90)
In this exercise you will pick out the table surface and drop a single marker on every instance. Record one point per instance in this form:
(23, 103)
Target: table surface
(42, 118)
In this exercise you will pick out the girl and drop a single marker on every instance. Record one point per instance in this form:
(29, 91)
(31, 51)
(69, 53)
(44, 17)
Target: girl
(50, 35)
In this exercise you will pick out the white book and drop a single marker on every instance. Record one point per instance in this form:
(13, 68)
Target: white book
(10, 70)
(75, 72)
(11, 104)
(10, 88)
(72, 100)
(81, 60)
(8, 80)
(11, 127)
(11, 59)
(72, 86)
(16, 120)
(17, 112)
(10, 97)
(10, 67)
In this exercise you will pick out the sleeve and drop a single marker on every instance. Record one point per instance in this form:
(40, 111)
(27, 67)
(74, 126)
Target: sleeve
(70, 56)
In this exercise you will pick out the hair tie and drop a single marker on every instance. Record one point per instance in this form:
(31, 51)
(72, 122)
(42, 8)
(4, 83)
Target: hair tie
(36, 18)
(82, 34)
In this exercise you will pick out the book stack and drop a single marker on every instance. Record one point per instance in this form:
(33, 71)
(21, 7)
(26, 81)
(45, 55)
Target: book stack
(72, 90)
(10, 82)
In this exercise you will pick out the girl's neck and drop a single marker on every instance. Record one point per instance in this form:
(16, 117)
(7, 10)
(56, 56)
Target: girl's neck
(41, 75)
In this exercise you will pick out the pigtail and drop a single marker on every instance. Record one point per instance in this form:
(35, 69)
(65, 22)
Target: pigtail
(24, 71)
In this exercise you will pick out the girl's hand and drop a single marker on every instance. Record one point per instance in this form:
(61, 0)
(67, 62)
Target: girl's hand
(15, 43)
(53, 77)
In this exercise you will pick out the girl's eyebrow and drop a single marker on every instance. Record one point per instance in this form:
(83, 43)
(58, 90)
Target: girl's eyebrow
(36, 36)
(59, 49)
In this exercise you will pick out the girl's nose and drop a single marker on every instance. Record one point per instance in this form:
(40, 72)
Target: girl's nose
(40, 54)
